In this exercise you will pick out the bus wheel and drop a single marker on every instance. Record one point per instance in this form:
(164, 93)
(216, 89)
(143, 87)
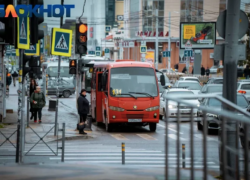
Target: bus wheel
(152, 127)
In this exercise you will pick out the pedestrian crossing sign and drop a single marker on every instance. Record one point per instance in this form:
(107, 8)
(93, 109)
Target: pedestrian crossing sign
(23, 34)
(61, 42)
(34, 50)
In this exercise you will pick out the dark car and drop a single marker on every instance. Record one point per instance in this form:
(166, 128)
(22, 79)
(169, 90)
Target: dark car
(66, 88)
(213, 119)
(211, 88)
(215, 80)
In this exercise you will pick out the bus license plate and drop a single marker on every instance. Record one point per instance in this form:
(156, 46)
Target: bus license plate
(134, 120)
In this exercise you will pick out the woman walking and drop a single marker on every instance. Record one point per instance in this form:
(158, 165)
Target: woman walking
(33, 85)
(38, 102)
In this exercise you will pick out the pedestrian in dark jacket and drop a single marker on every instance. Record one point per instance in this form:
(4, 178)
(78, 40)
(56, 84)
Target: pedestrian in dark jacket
(38, 102)
(247, 72)
(83, 109)
(202, 71)
(33, 85)
(14, 75)
(184, 70)
(207, 71)
(8, 79)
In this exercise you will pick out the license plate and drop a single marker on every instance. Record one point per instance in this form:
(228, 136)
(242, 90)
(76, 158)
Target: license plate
(185, 111)
(134, 120)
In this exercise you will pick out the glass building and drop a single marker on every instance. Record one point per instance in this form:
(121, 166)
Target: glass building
(110, 12)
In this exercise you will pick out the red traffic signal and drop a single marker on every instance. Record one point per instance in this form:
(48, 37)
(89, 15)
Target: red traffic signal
(72, 66)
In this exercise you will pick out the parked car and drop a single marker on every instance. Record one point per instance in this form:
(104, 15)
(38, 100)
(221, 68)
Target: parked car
(194, 86)
(213, 119)
(242, 132)
(213, 70)
(172, 106)
(66, 88)
(215, 80)
(244, 88)
(187, 78)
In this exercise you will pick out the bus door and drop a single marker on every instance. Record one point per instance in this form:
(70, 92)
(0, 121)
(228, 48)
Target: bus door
(98, 97)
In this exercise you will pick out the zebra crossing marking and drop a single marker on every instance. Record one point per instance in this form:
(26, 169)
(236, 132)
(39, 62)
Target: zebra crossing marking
(119, 137)
(146, 136)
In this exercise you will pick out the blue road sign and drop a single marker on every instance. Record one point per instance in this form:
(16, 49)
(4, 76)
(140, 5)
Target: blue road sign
(61, 42)
(98, 48)
(107, 51)
(34, 50)
(108, 28)
(91, 52)
(23, 29)
(143, 49)
(166, 54)
(98, 53)
(188, 53)
(42, 45)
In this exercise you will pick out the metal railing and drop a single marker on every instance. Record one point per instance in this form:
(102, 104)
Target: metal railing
(232, 120)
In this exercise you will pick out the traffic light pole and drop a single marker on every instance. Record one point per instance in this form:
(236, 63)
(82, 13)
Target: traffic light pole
(58, 76)
(21, 105)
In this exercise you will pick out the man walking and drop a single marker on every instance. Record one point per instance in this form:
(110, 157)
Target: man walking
(202, 70)
(8, 79)
(207, 71)
(14, 75)
(83, 110)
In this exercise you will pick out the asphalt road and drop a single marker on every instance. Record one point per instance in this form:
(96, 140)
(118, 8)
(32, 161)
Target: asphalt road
(142, 147)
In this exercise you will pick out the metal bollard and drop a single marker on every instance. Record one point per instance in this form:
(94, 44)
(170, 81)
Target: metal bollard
(183, 156)
(17, 143)
(123, 153)
(63, 142)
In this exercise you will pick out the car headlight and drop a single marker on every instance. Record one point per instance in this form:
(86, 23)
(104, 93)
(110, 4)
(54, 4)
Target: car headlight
(152, 108)
(198, 105)
(116, 108)
(212, 115)
(170, 106)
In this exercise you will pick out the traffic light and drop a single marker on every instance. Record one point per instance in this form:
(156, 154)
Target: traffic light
(72, 66)
(81, 39)
(9, 32)
(34, 68)
(35, 33)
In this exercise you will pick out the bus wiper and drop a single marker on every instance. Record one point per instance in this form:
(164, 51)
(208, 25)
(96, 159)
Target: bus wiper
(143, 93)
(129, 95)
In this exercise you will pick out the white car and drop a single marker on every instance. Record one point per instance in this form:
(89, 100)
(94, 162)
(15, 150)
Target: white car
(193, 86)
(244, 88)
(166, 71)
(187, 78)
(172, 105)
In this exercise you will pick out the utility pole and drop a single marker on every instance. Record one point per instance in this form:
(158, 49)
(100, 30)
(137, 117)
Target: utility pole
(58, 80)
(229, 76)
(156, 40)
(169, 42)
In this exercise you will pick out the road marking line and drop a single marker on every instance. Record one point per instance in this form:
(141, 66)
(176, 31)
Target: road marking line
(119, 137)
(173, 136)
(146, 136)
(174, 130)
(160, 125)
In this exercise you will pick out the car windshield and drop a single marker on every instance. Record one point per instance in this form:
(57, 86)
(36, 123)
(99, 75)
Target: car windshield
(53, 72)
(241, 101)
(213, 89)
(190, 79)
(180, 93)
(161, 89)
(191, 86)
(136, 81)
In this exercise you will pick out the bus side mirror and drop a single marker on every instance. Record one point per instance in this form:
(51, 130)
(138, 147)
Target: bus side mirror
(162, 80)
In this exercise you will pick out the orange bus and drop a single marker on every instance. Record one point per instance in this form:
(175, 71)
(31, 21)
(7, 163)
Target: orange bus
(125, 92)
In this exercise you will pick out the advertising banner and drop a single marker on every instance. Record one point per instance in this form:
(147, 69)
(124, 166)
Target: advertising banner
(197, 35)
(150, 56)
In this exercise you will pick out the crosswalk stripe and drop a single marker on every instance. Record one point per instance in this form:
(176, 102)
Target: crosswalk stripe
(119, 137)
(146, 136)
(173, 136)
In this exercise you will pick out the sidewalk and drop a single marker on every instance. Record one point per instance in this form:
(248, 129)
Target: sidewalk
(48, 120)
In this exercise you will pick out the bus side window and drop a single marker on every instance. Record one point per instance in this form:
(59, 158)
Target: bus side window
(93, 83)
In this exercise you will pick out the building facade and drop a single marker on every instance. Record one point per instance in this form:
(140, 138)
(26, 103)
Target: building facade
(140, 25)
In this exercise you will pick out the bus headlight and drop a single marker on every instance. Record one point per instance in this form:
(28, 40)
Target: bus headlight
(116, 108)
(152, 108)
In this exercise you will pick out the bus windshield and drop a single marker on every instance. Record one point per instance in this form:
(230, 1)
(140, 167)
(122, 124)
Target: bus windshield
(133, 81)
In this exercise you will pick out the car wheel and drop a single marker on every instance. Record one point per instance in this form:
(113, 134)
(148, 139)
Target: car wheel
(199, 126)
(152, 127)
(66, 94)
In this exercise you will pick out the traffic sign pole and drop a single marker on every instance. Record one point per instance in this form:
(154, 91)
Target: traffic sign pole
(169, 42)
